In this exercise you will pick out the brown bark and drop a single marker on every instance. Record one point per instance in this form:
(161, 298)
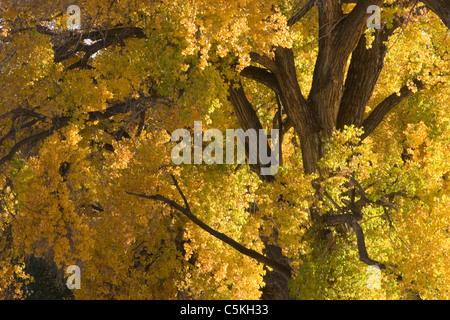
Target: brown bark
(292, 20)
(281, 269)
(441, 8)
(261, 75)
(248, 119)
(338, 37)
(330, 103)
(380, 111)
(365, 67)
(304, 118)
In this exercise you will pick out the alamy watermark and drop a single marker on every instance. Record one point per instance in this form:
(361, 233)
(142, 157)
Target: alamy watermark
(74, 20)
(73, 281)
(206, 155)
(374, 21)
(374, 280)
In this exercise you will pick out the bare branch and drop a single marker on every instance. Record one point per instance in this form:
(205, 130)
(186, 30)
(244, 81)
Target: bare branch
(186, 204)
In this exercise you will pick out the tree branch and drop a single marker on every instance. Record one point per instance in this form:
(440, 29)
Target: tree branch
(248, 119)
(175, 182)
(72, 41)
(363, 255)
(339, 35)
(441, 8)
(378, 114)
(60, 122)
(365, 67)
(263, 60)
(282, 269)
(263, 76)
(352, 221)
(342, 216)
(355, 21)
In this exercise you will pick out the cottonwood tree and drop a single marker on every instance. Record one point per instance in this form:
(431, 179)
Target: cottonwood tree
(87, 178)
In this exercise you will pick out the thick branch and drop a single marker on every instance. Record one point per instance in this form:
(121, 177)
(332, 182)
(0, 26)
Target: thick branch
(378, 114)
(352, 221)
(441, 8)
(72, 42)
(342, 216)
(335, 219)
(301, 114)
(262, 76)
(365, 67)
(263, 60)
(284, 270)
(355, 21)
(363, 255)
(60, 122)
(245, 112)
(338, 36)
(248, 119)
(301, 13)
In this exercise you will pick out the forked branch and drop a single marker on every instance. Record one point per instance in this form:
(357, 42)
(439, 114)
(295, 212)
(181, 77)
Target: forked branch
(389, 103)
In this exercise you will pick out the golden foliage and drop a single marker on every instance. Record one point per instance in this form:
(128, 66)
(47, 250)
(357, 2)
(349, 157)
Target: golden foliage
(65, 198)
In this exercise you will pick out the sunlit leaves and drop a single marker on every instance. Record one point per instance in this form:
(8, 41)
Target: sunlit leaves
(65, 198)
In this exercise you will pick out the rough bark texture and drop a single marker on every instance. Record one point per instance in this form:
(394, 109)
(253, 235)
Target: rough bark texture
(276, 283)
(364, 70)
(333, 102)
